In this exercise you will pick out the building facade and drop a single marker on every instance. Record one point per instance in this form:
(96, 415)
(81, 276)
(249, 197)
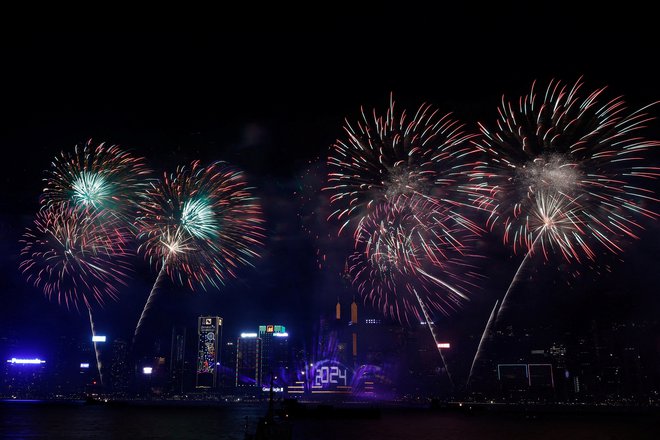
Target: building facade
(209, 333)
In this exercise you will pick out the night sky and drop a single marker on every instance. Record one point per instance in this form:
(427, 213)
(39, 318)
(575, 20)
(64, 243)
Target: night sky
(270, 98)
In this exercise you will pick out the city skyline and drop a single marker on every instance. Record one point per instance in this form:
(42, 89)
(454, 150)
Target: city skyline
(273, 108)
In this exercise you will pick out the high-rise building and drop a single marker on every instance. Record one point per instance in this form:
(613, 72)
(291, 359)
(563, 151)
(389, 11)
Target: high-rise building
(274, 361)
(24, 378)
(248, 360)
(227, 370)
(120, 371)
(209, 333)
(178, 359)
(73, 366)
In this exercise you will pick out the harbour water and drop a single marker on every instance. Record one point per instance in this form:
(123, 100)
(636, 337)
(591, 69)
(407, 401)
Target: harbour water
(39, 420)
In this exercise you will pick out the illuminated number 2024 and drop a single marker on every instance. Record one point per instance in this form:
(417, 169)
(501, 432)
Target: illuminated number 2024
(330, 375)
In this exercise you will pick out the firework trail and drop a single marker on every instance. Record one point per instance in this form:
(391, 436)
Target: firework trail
(411, 257)
(76, 257)
(399, 184)
(101, 177)
(198, 226)
(481, 341)
(566, 170)
(385, 158)
(428, 321)
(96, 348)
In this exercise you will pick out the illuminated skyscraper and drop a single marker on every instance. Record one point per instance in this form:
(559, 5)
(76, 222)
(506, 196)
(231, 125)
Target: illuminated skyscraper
(248, 360)
(24, 378)
(275, 354)
(227, 372)
(209, 331)
(119, 370)
(178, 359)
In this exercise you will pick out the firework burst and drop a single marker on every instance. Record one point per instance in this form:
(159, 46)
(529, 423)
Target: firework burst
(410, 255)
(199, 225)
(384, 158)
(101, 177)
(573, 156)
(74, 257)
(567, 172)
(77, 257)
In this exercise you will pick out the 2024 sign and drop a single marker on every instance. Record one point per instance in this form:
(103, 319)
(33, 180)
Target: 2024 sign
(330, 375)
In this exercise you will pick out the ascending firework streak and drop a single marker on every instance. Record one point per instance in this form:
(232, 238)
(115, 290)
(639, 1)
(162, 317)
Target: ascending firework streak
(198, 226)
(427, 319)
(566, 171)
(481, 341)
(553, 222)
(76, 257)
(100, 182)
(410, 256)
(398, 184)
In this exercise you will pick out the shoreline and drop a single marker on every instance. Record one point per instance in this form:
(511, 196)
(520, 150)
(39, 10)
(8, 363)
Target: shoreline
(317, 407)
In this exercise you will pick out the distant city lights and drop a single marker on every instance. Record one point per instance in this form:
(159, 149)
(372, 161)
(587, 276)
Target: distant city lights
(98, 338)
(281, 335)
(84, 365)
(147, 370)
(248, 335)
(25, 361)
(444, 345)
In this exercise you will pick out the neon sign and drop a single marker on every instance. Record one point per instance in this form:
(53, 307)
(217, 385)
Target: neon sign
(275, 389)
(333, 375)
(25, 361)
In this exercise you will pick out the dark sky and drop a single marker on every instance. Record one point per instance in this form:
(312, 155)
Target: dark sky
(270, 95)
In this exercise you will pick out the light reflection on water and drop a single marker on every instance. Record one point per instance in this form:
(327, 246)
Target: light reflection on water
(19, 420)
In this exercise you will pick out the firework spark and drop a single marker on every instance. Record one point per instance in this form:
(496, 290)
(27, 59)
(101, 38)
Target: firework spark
(385, 158)
(76, 257)
(98, 177)
(568, 155)
(566, 171)
(413, 252)
(199, 225)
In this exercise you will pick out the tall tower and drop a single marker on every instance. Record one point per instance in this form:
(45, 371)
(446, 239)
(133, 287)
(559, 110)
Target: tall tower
(120, 371)
(248, 360)
(178, 358)
(354, 321)
(354, 310)
(338, 310)
(227, 373)
(209, 332)
(275, 352)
